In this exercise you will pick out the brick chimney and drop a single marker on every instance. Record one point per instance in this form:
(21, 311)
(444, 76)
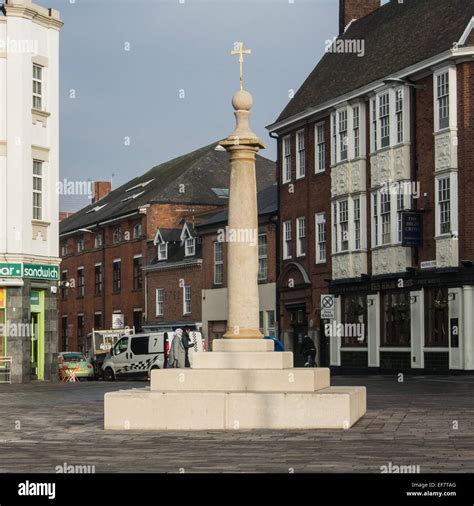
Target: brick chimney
(101, 190)
(354, 9)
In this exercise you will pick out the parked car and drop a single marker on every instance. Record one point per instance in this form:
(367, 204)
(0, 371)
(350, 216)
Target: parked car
(134, 356)
(74, 362)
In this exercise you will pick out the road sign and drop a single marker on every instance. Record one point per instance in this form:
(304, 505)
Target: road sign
(328, 307)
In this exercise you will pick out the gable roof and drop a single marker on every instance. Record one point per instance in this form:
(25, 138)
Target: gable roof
(396, 36)
(196, 172)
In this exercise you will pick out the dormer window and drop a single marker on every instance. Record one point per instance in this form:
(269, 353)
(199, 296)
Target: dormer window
(190, 246)
(162, 251)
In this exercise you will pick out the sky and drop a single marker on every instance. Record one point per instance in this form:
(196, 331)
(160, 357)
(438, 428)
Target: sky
(145, 81)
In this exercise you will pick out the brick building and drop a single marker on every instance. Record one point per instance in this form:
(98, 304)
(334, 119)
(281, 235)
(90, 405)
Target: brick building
(105, 246)
(375, 163)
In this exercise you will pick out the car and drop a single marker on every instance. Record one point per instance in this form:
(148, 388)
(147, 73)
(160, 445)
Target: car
(74, 363)
(134, 356)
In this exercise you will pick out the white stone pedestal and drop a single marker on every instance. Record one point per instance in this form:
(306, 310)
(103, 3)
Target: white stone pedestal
(241, 386)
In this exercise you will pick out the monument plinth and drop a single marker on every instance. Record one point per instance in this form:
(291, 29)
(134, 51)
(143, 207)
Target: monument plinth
(243, 383)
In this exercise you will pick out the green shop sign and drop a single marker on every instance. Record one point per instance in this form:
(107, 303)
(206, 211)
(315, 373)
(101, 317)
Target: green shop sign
(32, 271)
(37, 271)
(11, 270)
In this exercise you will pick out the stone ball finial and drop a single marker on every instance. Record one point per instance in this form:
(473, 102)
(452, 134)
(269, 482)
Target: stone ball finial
(242, 101)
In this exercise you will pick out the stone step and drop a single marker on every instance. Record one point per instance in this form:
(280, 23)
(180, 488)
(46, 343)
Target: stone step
(242, 360)
(232, 345)
(143, 409)
(240, 380)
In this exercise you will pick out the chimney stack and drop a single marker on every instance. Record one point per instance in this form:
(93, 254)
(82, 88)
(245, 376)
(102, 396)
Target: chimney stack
(354, 9)
(101, 190)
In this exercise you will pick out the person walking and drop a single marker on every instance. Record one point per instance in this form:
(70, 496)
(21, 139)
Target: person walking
(308, 350)
(178, 355)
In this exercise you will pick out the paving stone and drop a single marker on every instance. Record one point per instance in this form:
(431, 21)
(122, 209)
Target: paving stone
(406, 423)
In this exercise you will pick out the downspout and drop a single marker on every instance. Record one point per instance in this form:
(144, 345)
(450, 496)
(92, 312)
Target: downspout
(273, 135)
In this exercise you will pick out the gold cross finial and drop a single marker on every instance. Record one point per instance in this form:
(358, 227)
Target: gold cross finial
(239, 49)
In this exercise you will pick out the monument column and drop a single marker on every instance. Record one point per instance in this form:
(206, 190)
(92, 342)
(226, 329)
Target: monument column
(242, 233)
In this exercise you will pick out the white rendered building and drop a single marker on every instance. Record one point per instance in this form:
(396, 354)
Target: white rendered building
(29, 171)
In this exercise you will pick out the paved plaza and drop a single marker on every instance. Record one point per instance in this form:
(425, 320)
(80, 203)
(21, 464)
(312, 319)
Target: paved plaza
(422, 421)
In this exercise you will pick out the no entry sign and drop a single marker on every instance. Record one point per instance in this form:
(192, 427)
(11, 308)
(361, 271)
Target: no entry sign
(328, 307)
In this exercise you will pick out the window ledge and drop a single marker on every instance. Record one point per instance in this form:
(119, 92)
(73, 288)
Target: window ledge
(41, 223)
(445, 130)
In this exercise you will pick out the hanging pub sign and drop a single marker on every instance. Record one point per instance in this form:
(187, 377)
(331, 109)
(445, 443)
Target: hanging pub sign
(412, 229)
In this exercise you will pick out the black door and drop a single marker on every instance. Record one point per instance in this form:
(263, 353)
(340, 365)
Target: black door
(323, 360)
(137, 321)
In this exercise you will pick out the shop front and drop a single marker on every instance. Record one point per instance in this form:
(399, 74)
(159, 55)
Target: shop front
(28, 321)
(423, 322)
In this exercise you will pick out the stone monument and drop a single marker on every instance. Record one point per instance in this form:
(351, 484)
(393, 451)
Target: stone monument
(243, 383)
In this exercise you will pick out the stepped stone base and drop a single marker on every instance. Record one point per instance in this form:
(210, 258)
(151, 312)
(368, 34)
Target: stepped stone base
(241, 385)
(235, 380)
(143, 409)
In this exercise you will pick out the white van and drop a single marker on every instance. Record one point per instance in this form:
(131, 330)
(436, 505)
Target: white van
(135, 356)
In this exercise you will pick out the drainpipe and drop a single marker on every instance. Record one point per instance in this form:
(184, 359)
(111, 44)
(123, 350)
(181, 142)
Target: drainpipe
(273, 135)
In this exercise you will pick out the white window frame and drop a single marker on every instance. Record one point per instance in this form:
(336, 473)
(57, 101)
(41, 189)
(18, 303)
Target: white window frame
(451, 99)
(218, 262)
(356, 130)
(286, 159)
(287, 240)
(262, 258)
(386, 213)
(357, 221)
(453, 221)
(38, 179)
(301, 236)
(38, 84)
(271, 329)
(162, 254)
(189, 247)
(342, 135)
(383, 117)
(300, 154)
(321, 238)
(187, 308)
(399, 115)
(320, 151)
(160, 301)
